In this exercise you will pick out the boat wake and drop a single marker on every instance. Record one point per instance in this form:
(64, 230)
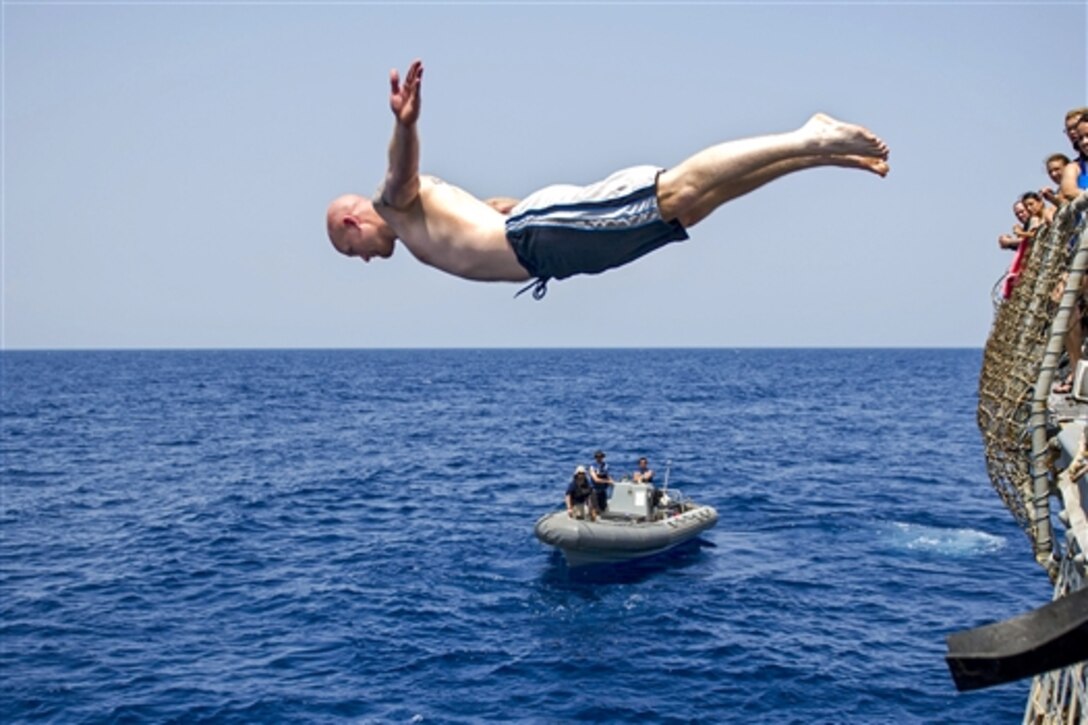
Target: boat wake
(945, 541)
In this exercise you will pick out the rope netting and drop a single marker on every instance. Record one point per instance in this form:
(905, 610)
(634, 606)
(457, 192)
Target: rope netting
(1013, 370)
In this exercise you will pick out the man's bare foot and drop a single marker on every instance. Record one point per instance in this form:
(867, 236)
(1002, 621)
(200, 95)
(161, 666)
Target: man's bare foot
(866, 163)
(837, 138)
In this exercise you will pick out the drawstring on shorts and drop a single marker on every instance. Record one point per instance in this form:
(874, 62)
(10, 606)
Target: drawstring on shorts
(539, 286)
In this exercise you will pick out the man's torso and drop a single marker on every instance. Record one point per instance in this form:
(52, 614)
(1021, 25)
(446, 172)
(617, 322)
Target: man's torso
(579, 492)
(448, 228)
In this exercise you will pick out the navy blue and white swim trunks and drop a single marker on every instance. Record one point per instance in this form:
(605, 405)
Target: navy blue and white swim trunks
(565, 230)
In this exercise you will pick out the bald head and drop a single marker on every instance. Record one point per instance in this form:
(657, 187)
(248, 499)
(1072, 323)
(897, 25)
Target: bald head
(356, 230)
(337, 216)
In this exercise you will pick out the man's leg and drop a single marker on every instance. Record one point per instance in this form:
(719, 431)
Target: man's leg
(1074, 341)
(694, 188)
(718, 195)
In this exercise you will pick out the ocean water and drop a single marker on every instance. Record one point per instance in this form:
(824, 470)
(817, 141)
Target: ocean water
(346, 536)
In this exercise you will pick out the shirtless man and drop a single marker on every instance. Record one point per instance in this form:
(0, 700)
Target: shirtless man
(1020, 230)
(563, 230)
(1055, 164)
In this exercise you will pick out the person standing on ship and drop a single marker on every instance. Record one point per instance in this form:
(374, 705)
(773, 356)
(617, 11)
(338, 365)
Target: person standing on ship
(1075, 173)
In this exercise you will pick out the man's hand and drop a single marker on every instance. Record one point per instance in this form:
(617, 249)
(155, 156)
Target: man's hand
(404, 99)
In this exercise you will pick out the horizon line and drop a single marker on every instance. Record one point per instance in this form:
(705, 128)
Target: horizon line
(392, 348)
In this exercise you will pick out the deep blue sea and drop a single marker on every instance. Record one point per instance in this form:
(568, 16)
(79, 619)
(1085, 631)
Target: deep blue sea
(346, 536)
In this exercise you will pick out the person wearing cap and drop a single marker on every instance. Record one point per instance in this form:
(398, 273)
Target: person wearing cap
(580, 496)
(601, 479)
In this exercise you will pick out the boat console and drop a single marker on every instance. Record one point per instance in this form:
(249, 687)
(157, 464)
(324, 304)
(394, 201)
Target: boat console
(631, 499)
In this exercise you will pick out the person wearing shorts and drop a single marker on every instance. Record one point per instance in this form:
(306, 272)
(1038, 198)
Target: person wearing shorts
(564, 230)
(561, 231)
(579, 496)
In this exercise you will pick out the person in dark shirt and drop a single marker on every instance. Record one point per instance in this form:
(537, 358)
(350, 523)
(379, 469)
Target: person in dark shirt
(579, 498)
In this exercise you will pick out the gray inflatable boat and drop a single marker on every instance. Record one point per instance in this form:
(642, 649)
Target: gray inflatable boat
(638, 523)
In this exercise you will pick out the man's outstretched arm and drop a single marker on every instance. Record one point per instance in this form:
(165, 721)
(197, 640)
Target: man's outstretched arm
(402, 178)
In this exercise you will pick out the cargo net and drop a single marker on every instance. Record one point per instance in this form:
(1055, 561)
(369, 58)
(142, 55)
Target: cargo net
(1012, 365)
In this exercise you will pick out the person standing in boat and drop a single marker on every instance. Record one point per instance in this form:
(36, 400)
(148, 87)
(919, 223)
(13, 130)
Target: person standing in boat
(601, 478)
(643, 474)
(580, 496)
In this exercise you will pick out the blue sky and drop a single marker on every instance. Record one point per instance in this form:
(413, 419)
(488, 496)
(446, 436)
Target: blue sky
(167, 166)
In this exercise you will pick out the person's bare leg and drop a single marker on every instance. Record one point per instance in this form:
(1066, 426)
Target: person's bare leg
(1074, 341)
(722, 193)
(682, 190)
